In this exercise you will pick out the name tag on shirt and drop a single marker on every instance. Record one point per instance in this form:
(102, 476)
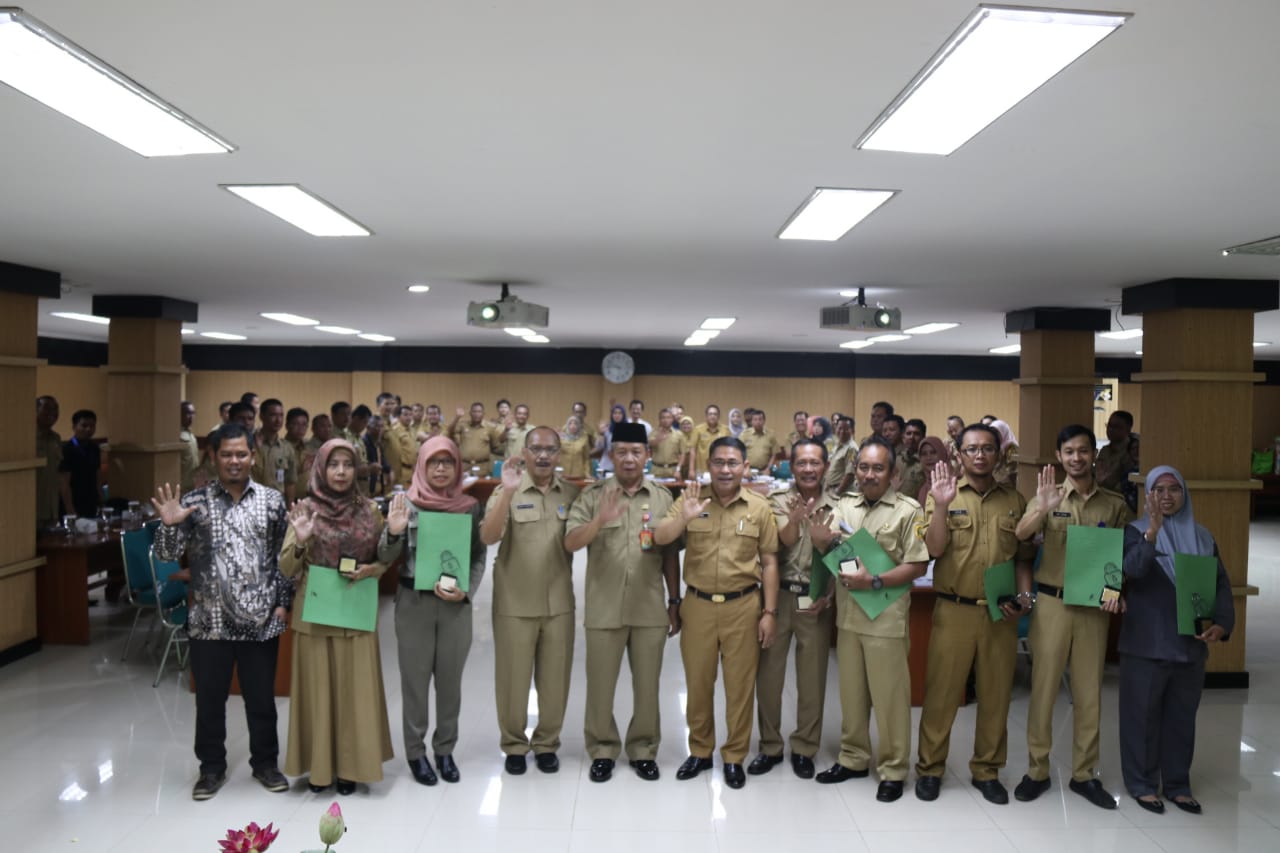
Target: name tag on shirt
(957, 512)
(524, 506)
(1059, 514)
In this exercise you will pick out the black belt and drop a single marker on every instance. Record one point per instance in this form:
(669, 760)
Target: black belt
(1045, 588)
(960, 599)
(721, 597)
(796, 588)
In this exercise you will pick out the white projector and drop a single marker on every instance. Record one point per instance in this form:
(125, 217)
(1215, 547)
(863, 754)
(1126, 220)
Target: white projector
(861, 318)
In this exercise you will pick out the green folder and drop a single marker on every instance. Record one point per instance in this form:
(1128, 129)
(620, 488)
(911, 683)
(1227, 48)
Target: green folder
(819, 578)
(333, 600)
(444, 547)
(1196, 589)
(997, 582)
(1095, 556)
(876, 561)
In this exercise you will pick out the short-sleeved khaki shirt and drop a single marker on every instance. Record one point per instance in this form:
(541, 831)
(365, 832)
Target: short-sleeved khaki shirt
(408, 454)
(1102, 508)
(532, 575)
(477, 443)
(912, 474)
(624, 586)
(190, 459)
(668, 451)
(841, 463)
(981, 529)
(723, 545)
(701, 440)
(796, 561)
(897, 523)
(761, 448)
(515, 439)
(275, 465)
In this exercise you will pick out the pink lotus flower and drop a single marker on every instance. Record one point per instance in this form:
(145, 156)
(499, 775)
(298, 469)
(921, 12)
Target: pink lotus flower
(251, 839)
(332, 826)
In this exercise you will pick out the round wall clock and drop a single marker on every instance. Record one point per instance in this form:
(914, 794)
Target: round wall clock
(618, 367)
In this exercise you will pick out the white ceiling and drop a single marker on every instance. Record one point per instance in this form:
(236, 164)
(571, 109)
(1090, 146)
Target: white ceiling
(633, 163)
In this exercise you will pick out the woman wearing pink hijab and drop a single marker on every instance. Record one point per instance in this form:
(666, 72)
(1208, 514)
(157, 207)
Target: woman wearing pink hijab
(932, 451)
(433, 626)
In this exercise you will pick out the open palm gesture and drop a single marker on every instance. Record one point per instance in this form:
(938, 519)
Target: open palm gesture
(168, 506)
(302, 518)
(692, 506)
(943, 487)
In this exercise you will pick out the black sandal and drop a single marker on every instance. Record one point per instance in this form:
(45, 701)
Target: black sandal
(1155, 806)
(1187, 804)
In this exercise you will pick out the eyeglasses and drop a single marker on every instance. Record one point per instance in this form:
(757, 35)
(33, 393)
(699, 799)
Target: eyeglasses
(445, 462)
(983, 450)
(725, 463)
(542, 451)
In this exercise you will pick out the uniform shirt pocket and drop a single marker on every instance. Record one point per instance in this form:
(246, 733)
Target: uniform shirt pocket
(1008, 534)
(746, 540)
(524, 514)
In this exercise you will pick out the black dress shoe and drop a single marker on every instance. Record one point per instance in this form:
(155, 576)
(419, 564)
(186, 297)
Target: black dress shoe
(733, 776)
(317, 789)
(1188, 805)
(646, 769)
(448, 770)
(515, 764)
(1028, 789)
(840, 773)
(601, 770)
(547, 762)
(693, 765)
(889, 790)
(992, 791)
(762, 764)
(927, 788)
(421, 770)
(802, 766)
(346, 787)
(1093, 791)
(1155, 806)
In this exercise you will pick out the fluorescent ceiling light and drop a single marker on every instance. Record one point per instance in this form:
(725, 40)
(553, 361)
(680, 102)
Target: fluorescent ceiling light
(47, 66)
(997, 57)
(83, 318)
(1010, 349)
(929, 328)
(696, 342)
(418, 288)
(855, 344)
(520, 332)
(1122, 335)
(337, 330)
(1137, 352)
(1269, 246)
(376, 338)
(709, 334)
(223, 336)
(849, 294)
(537, 339)
(718, 322)
(1261, 343)
(291, 319)
(888, 339)
(188, 331)
(829, 212)
(300, 209)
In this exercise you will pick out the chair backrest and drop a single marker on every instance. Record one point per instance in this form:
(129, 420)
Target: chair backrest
(171, 595)
(135, 547)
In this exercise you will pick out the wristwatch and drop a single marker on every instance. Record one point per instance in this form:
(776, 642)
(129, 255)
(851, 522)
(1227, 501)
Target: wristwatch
(674, 601)
(877, 583)
(767, 612)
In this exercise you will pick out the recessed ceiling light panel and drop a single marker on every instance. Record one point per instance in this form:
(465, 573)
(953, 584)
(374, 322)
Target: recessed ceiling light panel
(888, 339)
(376, 338)
(1009, 349)
(223, 336)
(929, 328)
(830, 212)
(83, 318)
(290, 319)
(418, 288)
(337, 330)
(856, 344)
(300, 208)
(718, 323)
(1121, 335)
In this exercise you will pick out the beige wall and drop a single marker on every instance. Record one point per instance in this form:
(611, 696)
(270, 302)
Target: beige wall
(77, 388)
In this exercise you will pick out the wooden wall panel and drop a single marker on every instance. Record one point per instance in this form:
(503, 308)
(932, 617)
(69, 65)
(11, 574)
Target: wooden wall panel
(780, 398)
(18, 608)
(549, 397)
(76, 388)
(1266, 415)
(315, 392)
(933, 401)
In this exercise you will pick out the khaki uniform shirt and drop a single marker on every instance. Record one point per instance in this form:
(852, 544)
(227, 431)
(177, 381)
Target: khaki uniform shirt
(668, 451)
(391, 458)
(477, 443)
(761, 448)
(498, 433)
(190, 459)
(515, 439)
(981, 535)
(841, 464)
(1103, 508)
(47, 498)
(625, 586)
(701, 440)
(796, 561)
(792, 438)
(912, 474)
(532, 575)
(408, 447)
(723, 545)
(897, 523)
(575, 456)
(1114, 463)
(275, 465)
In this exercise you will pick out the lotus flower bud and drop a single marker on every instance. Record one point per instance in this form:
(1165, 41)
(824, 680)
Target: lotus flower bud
(331, 825)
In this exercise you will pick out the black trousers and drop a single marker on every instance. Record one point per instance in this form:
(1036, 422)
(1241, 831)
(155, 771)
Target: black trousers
(255, 664)
(1158, 703)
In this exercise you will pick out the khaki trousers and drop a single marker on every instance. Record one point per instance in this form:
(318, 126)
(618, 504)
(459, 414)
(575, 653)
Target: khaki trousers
(874, 674)
(538, 649)
(813, 649)
(713, 635)
(644, 647)
(1062, 636)
(964, 637)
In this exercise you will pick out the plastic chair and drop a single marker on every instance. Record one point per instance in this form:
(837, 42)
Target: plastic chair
(172, 607)
(140, 586)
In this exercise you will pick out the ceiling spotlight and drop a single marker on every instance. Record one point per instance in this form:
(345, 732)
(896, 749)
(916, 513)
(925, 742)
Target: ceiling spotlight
(418, 288)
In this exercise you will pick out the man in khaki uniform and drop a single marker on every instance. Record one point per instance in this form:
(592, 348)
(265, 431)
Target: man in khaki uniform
(809, 621)
(1067, 636)
(628, 609)
(913, 432)
(518, 431)
(392, 465)
(703, 435)
(499, 425)
(477, 439)
(879, 411)
(971, 527)
(432, 426)
(732, 543)
(762, 444)
(801, 422)
(275, 465)
(839, 476)
(532, 599)
(406, 446)
(580, 409)
(296, 421)
(668, 447)
(48, 482)
(190, 460)
(872, 653)
(340, 416)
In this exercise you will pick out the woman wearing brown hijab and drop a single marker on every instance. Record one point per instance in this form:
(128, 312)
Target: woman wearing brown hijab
(338, 728)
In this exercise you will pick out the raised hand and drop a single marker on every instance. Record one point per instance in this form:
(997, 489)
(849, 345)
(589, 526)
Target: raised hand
(166, 502)
(611, 507)
(1154, 516)
(798, 508)
(511, 471)
(943, 487)
(692, 506)
(1047, 489)
(398, 514)
(460, 411)
(820, 532)
(302, 518)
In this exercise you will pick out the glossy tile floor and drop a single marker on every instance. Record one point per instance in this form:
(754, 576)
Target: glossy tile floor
(95, 759)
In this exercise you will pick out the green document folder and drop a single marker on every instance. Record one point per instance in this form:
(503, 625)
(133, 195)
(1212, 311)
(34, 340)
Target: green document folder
(1196, 589)
(997, 582)
(444, 547)
(333, 600)
(1095, 557)
(876, 561)
(819, 578)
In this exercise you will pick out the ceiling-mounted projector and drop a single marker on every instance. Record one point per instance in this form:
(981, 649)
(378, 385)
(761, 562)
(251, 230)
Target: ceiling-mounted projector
(507, 312)
(857, 316)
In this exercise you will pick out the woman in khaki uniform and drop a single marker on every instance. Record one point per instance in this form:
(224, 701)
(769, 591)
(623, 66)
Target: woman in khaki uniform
(575, 450)
(338, 728)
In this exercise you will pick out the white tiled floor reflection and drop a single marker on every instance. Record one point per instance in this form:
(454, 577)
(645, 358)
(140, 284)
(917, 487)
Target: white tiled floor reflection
(95, 759)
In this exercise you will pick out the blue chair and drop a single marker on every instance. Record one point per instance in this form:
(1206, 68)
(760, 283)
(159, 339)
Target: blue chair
(782, 470)
(139, 587)
(172, 607)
